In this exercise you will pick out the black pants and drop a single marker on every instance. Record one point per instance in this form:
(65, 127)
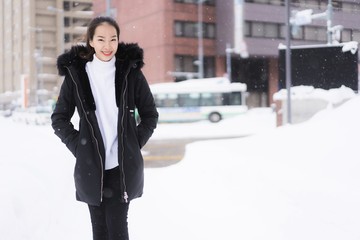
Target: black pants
(109, 220)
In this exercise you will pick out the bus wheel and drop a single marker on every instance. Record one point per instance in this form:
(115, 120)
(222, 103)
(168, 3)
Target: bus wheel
(214, 117)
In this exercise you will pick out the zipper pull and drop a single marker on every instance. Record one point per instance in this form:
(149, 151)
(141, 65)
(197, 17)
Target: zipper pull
(126, 197)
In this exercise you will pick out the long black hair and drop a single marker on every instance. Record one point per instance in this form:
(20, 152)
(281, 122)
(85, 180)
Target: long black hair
(94, 23)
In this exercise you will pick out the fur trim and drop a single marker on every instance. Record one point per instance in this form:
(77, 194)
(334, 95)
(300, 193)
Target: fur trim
(69, 58)
(131, 52)
(126, 52)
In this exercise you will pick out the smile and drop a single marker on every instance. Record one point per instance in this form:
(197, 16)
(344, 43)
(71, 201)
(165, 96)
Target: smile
(107, 53)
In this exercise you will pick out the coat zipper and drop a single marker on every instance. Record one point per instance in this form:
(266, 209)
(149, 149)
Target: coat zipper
(92, 132)
(125, 195)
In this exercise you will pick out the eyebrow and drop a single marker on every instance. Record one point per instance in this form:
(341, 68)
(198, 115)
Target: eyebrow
(104, 37)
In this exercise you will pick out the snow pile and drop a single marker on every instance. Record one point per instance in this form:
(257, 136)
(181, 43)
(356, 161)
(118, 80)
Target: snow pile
(334, 96)
(294, 182)
(254, 121)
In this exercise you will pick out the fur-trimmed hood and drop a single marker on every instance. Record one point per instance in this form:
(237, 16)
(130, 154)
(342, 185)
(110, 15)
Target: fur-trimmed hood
(129, 53)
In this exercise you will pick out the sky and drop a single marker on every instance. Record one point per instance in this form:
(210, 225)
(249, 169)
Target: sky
(297, 181)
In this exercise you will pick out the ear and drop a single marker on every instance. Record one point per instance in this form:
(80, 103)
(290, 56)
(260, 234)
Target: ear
(91, 43)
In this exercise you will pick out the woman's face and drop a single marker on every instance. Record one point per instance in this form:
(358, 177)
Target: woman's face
(105, 42)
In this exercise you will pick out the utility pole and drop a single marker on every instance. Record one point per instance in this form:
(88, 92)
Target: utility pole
(288, 61)
(38, 55)
(200, 40)
(108, 8)
(228, 51)
(329, 22)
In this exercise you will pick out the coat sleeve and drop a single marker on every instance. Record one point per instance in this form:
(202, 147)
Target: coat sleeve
(62, 114)
(145, 105)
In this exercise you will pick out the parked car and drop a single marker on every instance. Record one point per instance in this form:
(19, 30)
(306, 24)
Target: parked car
(39, 115)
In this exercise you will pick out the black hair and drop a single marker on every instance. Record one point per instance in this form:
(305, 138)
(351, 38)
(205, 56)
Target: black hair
(94, 23)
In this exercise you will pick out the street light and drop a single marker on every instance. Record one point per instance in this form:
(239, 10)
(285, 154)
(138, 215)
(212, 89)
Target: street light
(288, 61)
(305, 17)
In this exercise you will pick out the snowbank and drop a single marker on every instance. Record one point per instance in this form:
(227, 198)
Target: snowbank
(293, 182)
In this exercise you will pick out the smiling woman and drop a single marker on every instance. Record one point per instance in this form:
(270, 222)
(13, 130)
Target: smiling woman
(105, 42)
(104, 82)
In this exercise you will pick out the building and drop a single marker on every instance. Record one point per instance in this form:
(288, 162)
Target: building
(168, 32)
(32, 34)
(243, 34)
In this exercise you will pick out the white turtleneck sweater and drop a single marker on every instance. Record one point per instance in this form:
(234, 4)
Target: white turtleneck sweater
(102, 81)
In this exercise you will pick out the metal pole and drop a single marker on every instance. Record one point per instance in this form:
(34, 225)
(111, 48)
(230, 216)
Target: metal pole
(39, 60)
(41, 80)
(288, 61)
(228, 61)
(329, 13)
(200, 40)
(108, 8)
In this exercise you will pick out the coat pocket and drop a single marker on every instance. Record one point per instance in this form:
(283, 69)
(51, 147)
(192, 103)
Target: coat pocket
(72, 143)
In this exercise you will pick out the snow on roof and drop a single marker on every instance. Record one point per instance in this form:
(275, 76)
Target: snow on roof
(334, 95)
(217, 84)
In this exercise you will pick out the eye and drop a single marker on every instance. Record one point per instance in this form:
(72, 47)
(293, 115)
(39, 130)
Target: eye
(114, 39)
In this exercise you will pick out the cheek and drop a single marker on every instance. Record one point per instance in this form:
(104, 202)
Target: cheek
(115, 46)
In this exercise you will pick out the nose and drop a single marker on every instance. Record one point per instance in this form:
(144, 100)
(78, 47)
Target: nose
(107, 45)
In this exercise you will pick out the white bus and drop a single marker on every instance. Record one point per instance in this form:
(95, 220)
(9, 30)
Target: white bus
(199, 99)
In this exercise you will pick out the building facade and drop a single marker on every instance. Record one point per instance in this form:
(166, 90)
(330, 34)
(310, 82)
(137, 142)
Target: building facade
(168, 32)
(32, 34)
(239, 37)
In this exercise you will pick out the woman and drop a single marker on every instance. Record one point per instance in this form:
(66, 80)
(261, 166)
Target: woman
(104, 82)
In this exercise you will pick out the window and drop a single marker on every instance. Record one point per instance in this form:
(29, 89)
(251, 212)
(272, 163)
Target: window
(278, 31)
(356, 35)
(270, 2)
(315, 34)
(263, 29)
(271, 30)
(235, 98)
(206, 2)
(186, 64)
(209, 66)
(188, 99)
(257, 29)
(345, 35)
(190, 29)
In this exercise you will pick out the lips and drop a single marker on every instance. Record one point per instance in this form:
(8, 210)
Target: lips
(107, 54)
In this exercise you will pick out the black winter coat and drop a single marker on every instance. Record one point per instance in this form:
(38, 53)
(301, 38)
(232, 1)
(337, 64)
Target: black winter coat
(85, 141)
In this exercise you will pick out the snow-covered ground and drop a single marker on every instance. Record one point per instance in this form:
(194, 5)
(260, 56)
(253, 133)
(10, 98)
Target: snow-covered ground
(294, 182)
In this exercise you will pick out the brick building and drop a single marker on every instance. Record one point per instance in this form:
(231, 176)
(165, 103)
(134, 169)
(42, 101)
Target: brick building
(167, 30)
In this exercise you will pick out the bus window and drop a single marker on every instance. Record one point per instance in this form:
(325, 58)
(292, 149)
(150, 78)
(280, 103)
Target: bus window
(189, 100)
(166, 100)
(211, 99)
(235, 98)
(226, 99)
(218, 99)
(206, 100)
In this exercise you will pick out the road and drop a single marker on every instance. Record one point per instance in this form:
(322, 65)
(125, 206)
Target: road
(162, 153)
